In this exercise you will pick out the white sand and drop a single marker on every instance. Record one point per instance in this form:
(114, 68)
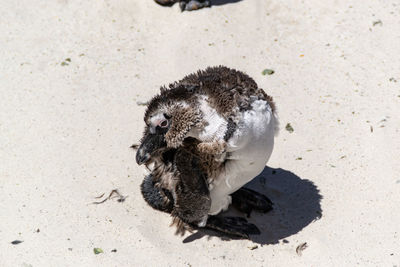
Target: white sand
(65, 131)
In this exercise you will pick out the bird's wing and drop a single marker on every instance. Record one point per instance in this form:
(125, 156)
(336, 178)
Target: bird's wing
(191, 195)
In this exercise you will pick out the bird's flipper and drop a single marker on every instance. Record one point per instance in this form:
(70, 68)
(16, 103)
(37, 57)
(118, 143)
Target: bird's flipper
(191, 198)
(235, 226)
(247, 200)
(157, 198)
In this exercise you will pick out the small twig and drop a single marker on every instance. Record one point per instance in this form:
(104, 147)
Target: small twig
(300, 248)
(121, 197)
(110, 196)
(115, 191)
(100, 196)
(100, 202)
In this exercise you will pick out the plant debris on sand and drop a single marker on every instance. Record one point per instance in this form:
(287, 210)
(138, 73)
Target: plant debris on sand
(113, 194)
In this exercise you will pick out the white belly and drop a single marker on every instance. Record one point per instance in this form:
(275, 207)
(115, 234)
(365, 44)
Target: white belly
(247, 154)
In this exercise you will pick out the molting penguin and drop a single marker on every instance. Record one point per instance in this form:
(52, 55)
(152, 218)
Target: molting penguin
(218, 126)
(186, 5)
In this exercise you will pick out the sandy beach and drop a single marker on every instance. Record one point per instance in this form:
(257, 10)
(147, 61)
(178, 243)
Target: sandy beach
(73, 75)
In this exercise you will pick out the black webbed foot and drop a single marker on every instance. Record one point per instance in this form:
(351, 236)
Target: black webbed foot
(193, 4)
(247, 200)
(235, 226)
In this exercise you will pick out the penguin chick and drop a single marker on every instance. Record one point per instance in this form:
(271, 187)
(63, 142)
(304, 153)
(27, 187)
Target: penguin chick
(233, 119)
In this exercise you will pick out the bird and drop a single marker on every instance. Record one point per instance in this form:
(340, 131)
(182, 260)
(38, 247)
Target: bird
(186, 5)
(205, 137)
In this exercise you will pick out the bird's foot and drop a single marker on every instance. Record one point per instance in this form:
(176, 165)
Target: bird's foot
(247, 200)
(193, 4)
(235, 226)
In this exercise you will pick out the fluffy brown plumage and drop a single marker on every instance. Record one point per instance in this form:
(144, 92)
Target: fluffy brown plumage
(182, 177)
(185, 168)
(228, 91)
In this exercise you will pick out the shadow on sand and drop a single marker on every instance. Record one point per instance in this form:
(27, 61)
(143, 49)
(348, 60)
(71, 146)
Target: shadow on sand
(223, 2)
(213, 2)
(296, 205)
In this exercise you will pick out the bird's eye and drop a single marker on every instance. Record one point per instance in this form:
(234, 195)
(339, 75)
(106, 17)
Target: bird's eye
(164, 124)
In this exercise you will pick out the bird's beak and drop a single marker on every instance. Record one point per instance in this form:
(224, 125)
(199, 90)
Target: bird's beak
(151, 143)
(142, 157)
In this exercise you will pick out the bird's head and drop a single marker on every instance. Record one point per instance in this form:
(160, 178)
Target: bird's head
(153, 140)
(169, 117)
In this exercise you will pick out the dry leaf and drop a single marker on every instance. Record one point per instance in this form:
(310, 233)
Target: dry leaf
(267, 71)
(97, 251)
(253, 247)
(300, 248)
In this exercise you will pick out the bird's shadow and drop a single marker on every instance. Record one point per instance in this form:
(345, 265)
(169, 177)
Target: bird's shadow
(223, 2)
(296, 205)
(213, 2)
